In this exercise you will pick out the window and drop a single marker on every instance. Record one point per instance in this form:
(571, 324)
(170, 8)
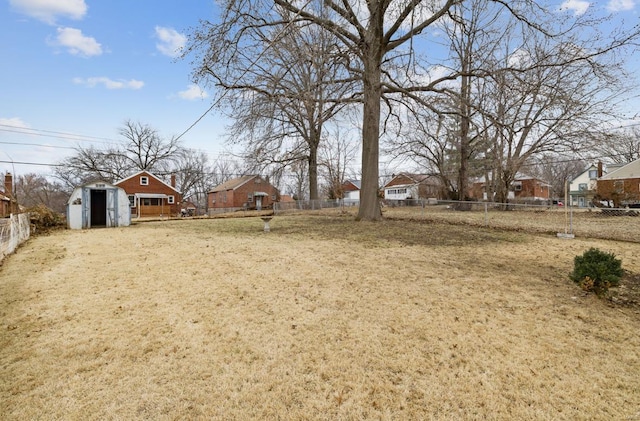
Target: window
(170, 200)
(517, 186)
(144, 181)
(250, 197)
(132, 201)
(618, 186)
(396, 191)
(150, 202)
(257, 181)
(273, 197)
(582, 186)
(593, 174)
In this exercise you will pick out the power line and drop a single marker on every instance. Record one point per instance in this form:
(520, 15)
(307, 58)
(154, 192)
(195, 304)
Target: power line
(253, 63)
(55, 134)
(37, 144)
(32, 163)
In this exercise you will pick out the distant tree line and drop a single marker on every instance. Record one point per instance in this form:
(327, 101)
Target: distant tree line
(516, 87)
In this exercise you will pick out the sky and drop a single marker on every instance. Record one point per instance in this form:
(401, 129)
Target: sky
(73, 71)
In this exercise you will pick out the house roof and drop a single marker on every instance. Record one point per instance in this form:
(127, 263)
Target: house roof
(150, 175)
(233, 183)
(151, 195)
(415, 179)
(630, 170)
(518, 177)
(355, 183)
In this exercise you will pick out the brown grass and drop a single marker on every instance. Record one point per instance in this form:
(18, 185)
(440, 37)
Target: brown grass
(322, 318)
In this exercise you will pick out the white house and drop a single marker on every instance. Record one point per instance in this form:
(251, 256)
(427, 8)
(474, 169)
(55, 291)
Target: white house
(405, 186)
(351, 190)
(582, 189)
(98, 204)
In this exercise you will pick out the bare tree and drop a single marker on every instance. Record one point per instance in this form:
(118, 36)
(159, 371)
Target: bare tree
(35, 189)
(280, 104)
(429, 141)
(555, 170)
(554, 104)
(377, 38)
(142, 149)
(337, 155)
(620, 146)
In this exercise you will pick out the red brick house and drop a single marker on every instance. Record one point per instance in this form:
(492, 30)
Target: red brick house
(621, 186)
(246, 192)
(523, 188)
(150, 196)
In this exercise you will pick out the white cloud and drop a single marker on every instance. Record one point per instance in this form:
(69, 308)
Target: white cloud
(170, 41)
(579, 7)
(621, 5)
(14, 122)
(193, 92)
(77, 43)
(48, 10)
(109, 83)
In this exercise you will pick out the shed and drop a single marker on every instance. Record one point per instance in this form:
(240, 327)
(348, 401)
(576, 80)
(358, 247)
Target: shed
(98, 204)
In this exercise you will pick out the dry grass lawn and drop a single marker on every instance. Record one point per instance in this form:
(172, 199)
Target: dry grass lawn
(322, 318)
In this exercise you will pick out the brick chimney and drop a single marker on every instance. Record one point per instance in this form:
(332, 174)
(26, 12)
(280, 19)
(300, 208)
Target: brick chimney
(173, 181)
(8, 185)
(599, 169)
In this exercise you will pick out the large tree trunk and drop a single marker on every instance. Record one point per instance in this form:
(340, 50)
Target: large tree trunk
(465, 90)
(372, 59)
(313, 172)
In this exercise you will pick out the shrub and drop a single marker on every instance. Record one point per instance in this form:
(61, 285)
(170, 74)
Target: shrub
(44, 219)
(596, 271)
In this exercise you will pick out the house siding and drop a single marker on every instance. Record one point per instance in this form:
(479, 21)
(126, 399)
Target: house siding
(624, 191)
(404, 187)
(132, 186)
(237, 197)
(528, 189)
(583, 188)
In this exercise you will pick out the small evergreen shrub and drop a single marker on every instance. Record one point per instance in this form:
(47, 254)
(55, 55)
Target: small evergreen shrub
(596, 271)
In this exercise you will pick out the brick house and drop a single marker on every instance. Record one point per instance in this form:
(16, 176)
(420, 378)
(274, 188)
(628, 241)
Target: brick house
(246, 192)
(524, 188)
(406, 186)
(150, 196)
(621, 186)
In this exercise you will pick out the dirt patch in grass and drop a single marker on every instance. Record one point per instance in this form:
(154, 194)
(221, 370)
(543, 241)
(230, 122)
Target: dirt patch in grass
(322, 318)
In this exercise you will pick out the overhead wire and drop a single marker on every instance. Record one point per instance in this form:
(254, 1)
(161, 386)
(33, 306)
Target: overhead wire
(244, 72)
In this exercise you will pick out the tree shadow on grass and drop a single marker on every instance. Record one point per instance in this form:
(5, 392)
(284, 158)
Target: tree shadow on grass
(373, 234)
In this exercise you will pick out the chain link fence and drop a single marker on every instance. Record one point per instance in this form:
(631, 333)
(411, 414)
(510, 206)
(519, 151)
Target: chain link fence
(604, 223)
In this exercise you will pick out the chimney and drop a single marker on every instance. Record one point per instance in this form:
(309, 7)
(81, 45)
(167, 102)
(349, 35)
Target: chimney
(173, 181)
(599, 169)
(8, 185)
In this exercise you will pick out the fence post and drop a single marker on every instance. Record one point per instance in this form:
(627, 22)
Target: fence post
(486, 214)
